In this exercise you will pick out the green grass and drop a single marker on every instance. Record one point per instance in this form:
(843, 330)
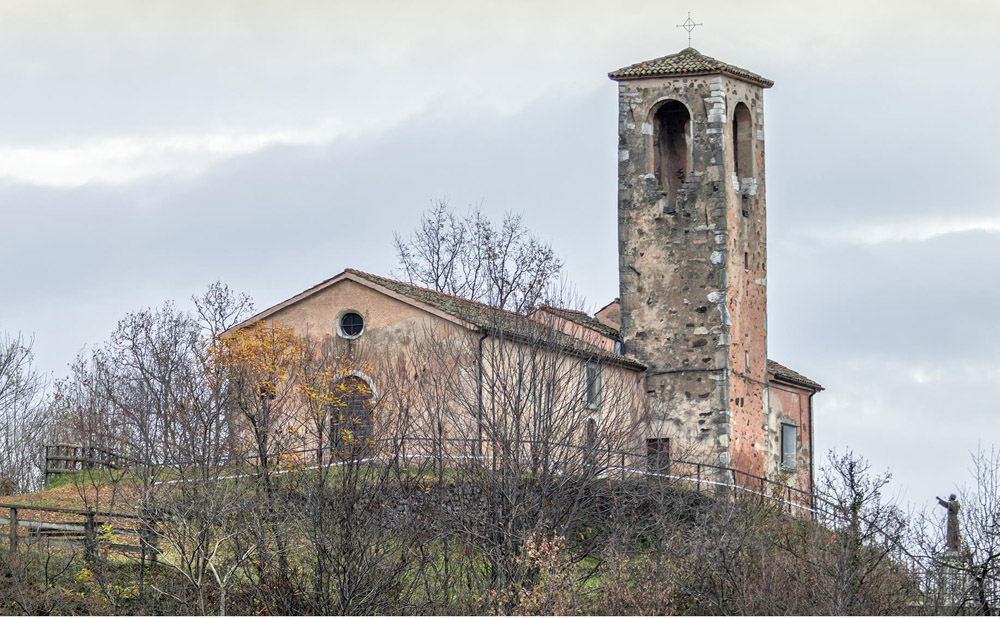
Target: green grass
(91, 478)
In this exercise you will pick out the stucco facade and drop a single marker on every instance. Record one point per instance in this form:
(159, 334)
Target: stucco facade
(685, 345)
(469, 372)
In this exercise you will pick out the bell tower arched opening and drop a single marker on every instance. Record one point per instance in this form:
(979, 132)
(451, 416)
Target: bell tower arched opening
(742, 143)
(671, 147)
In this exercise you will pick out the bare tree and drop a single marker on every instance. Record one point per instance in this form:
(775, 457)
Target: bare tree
(979, 519)
(349, 506)
(527, 422)
(855, 554)
(503, 265)
(23, 416)
(966, 581)
(153, 396)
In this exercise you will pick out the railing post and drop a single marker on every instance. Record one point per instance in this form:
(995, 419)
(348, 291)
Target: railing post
(697, 470)
(90, 537)
(13, 529)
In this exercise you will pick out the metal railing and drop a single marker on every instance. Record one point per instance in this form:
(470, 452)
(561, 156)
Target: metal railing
(594, 460)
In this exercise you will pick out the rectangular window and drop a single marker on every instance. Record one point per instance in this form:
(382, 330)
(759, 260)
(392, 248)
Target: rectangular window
(658, 454)
(592, 384)
(789, 446)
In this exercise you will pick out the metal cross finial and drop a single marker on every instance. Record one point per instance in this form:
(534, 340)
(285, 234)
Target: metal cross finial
(689, 25)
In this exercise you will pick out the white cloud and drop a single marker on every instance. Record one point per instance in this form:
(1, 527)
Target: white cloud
(918, 228)
(119, 160)
(941, 369)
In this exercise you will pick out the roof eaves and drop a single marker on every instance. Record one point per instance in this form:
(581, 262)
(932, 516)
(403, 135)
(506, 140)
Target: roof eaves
(448, 303)
(577, 351)
(617, 300)
(261, 315)
(787, 375)
(466, 312)
(584, 320)
(752, 78)
(685, 63)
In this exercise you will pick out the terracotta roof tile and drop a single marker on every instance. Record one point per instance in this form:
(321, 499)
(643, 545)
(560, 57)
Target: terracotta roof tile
(686, 62)
(584, 319)
(487, 317)
(780, 371)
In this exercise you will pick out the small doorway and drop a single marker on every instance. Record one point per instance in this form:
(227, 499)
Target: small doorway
(658, 454)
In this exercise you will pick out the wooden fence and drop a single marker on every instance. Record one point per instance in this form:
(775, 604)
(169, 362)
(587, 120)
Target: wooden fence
(93, 530)
(65, 458)
(441, 452)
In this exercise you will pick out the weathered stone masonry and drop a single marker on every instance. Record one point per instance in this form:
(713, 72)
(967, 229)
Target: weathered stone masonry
(692, 251)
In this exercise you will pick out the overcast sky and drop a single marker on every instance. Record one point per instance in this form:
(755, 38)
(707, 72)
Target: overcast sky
(150, 148)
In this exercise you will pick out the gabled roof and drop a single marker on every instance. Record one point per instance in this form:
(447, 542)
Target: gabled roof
(687, 62)
(465, 311)
(487, 318)
(474, 312)
(349, 274)
(791, 376)
(583, 319)
(494, 319)
(614, 302)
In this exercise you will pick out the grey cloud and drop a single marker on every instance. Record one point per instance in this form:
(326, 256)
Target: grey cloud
(865, 124)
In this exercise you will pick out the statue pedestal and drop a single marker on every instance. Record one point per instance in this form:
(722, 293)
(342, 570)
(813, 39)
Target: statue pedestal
(953, 582)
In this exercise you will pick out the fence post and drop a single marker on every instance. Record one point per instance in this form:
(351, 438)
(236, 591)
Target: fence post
(149, 541)
(13, 529)
(90, 537)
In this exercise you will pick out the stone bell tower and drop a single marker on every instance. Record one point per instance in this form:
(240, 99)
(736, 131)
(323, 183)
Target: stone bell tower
(693, 254)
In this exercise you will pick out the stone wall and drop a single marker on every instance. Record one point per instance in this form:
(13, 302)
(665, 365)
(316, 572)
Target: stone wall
(693, 267)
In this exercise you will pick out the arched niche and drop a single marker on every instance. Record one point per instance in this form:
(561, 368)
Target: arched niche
(351, 414)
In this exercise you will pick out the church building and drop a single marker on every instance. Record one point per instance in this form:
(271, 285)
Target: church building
(689, 329)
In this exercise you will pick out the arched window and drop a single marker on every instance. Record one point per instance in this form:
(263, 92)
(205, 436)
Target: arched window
(671, 148)
(742, 143)
(351, 421)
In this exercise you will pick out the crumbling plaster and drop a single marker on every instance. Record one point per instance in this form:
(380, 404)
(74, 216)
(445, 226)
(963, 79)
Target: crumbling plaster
(690, 310)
